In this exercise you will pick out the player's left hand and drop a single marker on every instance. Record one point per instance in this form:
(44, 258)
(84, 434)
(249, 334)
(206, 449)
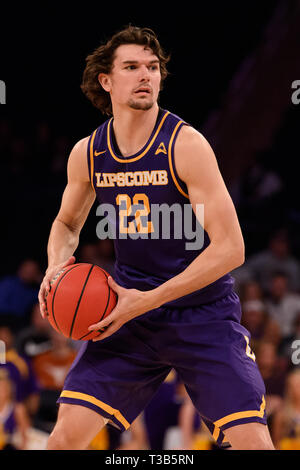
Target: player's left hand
(131, 303)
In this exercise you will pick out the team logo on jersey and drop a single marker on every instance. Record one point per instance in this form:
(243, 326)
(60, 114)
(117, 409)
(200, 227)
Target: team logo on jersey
(99, 153)
(161, 148)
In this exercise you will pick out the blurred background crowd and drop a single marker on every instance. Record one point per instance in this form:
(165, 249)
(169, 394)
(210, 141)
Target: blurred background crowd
(38, 358)
(245, 111)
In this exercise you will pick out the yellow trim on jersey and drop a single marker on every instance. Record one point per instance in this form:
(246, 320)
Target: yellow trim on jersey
(242, 414)
(171, 163)
(216, 433)
(96, 402)
(130, 160)
(92, 158)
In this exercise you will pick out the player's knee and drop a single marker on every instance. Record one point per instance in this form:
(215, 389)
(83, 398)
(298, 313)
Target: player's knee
(63, 439)
(58, 441)
(266, 446)
(263, 442)
(251, 436)
(258, 445)
(75, 432)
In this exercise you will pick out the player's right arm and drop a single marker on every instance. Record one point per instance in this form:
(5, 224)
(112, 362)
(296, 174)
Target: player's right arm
(77, 200)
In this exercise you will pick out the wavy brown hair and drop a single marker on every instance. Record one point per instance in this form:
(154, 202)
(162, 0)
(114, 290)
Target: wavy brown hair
(101, 61)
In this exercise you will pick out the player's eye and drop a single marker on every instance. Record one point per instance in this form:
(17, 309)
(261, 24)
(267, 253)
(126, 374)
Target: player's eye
(130, 67)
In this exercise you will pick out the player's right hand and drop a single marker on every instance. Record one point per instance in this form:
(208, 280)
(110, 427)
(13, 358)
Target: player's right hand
(45, 285)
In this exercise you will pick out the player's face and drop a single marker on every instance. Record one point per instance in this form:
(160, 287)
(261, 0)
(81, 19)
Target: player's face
(135, 77)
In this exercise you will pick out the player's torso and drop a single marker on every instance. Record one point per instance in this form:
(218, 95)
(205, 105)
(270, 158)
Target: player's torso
(150, 216)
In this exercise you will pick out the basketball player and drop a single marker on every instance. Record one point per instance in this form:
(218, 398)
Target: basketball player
(176, 307)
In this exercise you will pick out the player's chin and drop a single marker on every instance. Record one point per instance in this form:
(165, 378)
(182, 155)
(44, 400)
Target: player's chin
(142, 103)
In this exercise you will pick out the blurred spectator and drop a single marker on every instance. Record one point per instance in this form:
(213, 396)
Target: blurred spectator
(277, 257)
(162, 412)
(21, 373)
(186, 417)
(194, 433)
(135, 437)
(109, 438)
(19, 293)
(251, 290)
(272, 334)
(36, 338)
(255, 319)
(286, 420)
(273, 375)
(51, 368)
(100, 441)
(242, 276)
(13, 416)
(282, 304)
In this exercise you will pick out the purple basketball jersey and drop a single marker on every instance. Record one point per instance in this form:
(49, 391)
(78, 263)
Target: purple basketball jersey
(145, 259)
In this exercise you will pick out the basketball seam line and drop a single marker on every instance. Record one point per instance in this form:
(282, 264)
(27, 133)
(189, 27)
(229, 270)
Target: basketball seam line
(73, 267)
(106, 304)
(109, 289)
(79, 300)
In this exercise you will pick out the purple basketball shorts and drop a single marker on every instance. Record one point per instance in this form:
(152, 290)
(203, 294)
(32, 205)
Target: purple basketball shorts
(206, 345)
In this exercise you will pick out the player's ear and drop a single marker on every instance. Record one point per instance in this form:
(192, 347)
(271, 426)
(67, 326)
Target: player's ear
(104, 81)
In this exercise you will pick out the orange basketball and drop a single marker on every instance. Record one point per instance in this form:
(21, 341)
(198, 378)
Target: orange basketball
(79, 296)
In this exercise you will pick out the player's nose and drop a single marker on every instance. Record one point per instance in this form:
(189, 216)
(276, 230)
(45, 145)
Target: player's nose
(144, 73)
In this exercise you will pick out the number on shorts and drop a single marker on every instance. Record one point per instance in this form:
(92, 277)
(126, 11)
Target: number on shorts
(249, 351)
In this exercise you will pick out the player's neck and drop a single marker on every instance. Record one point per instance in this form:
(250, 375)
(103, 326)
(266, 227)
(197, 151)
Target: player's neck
(133, 128)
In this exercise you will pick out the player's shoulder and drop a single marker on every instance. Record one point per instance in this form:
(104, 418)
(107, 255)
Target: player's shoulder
(190, 139)
(81, 145)
(77, 162)
(79, 150)
(192, 153)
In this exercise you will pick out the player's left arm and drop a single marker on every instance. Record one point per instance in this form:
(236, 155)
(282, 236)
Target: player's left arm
(197, 166)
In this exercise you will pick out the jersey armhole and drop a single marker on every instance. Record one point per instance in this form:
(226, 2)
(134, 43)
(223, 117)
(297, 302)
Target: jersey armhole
(179, 183)
(90, 157)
